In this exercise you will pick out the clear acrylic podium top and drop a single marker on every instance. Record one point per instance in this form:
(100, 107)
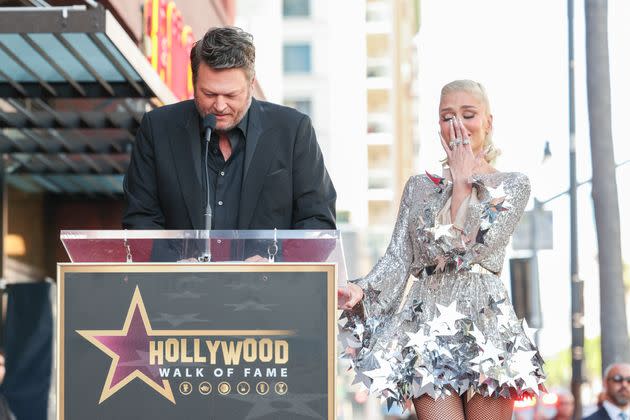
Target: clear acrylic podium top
(203, 246)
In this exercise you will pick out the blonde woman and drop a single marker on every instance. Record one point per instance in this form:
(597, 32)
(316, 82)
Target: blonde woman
(452, 346)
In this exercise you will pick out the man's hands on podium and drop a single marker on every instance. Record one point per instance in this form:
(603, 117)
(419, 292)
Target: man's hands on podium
(349, 296)
(253, 258)
(256, 258)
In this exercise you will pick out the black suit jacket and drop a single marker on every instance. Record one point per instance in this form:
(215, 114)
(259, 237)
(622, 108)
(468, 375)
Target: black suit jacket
(600, 414)
(285, 183)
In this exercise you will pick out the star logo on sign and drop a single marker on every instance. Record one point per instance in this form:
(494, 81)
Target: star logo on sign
(129, 351)
(177, 320)
(250, 305)
(186, 294)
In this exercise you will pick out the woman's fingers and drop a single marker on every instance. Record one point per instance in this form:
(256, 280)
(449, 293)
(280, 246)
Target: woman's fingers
(451, 129)
(445, 145)
(344, 298)
(349, 296)
(466, 140)
(458, 129)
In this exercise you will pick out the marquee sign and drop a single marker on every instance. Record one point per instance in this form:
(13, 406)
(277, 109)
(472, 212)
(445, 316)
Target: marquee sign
(169, 44)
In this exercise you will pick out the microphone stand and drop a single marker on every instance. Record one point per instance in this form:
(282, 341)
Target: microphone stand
(206, 256)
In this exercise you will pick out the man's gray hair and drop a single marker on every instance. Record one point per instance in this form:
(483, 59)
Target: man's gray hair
(226, 47)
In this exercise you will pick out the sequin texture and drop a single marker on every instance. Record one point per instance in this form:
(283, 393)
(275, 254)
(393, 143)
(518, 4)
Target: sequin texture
(455, 329)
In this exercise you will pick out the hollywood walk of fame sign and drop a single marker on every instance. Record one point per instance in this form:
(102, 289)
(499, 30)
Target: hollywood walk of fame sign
(143, 341)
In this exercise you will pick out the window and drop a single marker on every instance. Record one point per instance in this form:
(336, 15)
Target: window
(297, 58)
(304, 105)
(296, 8)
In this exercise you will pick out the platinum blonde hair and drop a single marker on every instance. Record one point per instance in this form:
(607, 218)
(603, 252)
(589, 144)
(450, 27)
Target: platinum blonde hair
(478, 91)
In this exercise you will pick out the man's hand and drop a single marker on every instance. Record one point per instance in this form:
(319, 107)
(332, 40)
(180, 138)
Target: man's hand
(256, 258)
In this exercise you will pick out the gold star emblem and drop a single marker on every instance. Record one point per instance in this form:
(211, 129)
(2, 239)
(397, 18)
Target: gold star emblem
(129, 350)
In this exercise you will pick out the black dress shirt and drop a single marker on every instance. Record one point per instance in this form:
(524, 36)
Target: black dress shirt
(226, 177)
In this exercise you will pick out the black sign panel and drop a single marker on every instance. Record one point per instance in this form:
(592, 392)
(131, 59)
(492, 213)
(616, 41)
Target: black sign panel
(175, 341)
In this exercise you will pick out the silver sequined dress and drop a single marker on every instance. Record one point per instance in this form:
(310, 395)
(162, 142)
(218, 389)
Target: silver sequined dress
(453, 328)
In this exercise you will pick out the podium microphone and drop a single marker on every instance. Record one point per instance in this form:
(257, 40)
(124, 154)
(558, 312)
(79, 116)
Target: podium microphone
(209, 124)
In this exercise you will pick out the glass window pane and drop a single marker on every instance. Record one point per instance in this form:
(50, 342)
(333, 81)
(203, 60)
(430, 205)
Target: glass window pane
(99, 61)
(31, 58)
(304, 105)
(301, 8)
(62, 57)
(121, 59)
(297, 58)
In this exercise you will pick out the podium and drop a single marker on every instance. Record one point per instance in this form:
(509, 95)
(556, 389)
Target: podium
(198, 324)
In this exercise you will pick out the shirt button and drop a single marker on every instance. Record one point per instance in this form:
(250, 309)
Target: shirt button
(220, 203)
(218, 241)
(222, 173)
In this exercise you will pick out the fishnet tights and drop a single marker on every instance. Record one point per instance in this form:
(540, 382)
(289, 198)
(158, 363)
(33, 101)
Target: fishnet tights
(449, 408)
(453, 408)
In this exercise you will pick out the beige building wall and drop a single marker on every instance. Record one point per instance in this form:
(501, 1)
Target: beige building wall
(392, 133)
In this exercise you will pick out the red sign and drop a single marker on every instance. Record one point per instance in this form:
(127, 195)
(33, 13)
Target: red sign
(170, 42)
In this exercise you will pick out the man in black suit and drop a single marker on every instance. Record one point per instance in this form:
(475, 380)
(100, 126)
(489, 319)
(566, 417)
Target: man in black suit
(616, 405)
(265, 167)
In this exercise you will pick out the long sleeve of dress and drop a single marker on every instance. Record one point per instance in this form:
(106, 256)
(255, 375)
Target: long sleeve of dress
(493, 236)
(383, 287)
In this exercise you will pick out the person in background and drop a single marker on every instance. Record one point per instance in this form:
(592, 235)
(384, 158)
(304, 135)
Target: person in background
(5, 412)
(565, 406)
(616, 404)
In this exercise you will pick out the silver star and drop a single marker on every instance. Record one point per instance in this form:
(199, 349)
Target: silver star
(372, 294)
(380, 376)
(529, 332)
(417, 340)
(449, 314)
(521, 363)
(498, 195)
(478, 335)
(530, 382)
(440, 230)
(493, 305)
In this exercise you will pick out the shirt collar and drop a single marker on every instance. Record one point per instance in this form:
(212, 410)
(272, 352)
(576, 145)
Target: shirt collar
(242, 125)
(613, 410)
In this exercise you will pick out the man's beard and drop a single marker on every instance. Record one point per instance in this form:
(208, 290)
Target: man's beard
(238, 118)
(619, 399)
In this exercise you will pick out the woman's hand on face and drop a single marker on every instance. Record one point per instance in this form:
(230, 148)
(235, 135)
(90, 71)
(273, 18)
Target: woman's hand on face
(461, 159)
(349, 296)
